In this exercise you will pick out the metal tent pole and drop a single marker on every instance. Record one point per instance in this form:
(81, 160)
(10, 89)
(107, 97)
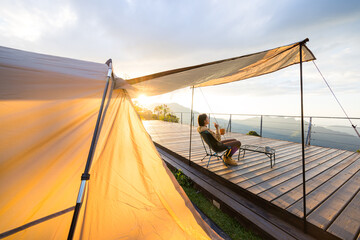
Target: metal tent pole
(302, 132)
(86, 176)
(191, 123)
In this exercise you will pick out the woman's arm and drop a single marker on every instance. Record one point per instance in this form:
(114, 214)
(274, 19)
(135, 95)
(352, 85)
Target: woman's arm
(217, 135)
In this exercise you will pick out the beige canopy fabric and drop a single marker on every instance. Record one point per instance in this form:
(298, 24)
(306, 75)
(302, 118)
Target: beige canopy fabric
(48, 111)
(223, 71)
(26, 75)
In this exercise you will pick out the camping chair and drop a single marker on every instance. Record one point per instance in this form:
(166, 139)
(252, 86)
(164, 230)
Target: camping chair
(216, 148)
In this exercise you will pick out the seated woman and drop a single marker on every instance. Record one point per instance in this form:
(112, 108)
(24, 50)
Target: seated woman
(203, 121)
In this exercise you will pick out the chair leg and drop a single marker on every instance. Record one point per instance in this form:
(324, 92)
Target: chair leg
(208, 162)
(222, 159)
(204, 157)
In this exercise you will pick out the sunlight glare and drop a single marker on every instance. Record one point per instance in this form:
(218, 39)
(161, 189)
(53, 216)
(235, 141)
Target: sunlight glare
(142, 100)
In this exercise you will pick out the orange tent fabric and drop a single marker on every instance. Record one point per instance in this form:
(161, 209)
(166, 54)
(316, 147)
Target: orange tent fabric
(128, 178)
(48, 110)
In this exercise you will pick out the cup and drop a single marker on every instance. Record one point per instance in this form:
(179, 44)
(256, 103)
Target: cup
(222, 131)
(267, 149)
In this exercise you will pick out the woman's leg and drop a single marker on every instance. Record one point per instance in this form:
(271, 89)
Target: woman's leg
(235, 145)
(228, 140)
(227, 154)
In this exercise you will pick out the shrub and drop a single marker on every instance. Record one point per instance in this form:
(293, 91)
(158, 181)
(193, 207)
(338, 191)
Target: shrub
(160, 112)
(171, 118)
(182, 179)
(253, 133)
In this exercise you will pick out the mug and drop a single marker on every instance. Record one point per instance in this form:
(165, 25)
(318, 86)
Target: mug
(222, 131)
(267, 149)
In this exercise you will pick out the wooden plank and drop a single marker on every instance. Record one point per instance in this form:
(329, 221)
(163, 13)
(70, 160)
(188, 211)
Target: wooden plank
(182, 149)
(248, 167)
(174, 140)
(312, 169)
(184, 140)
(320, 194)
(217, 167)
(250, 159)
(312, 182)
(182, 145)
(273, 227)
(269, 179)
(347, 224)
(249, 180)
(329, 198)
(257, 162)
(323, 215)
(283, 155)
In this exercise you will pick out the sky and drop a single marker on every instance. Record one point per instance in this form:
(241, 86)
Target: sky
(144, 37)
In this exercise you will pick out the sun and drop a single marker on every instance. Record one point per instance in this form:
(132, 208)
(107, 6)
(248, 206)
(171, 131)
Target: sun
(142, 99)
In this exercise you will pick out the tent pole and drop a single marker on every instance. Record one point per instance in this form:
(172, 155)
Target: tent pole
(86, 176)
(191, 123)
(302, 134)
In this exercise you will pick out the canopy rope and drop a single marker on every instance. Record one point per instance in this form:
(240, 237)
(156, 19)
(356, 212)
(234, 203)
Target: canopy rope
(354, 126)
(207, 103)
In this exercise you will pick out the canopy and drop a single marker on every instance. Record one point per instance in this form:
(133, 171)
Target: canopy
(223, 71)
(48, 109)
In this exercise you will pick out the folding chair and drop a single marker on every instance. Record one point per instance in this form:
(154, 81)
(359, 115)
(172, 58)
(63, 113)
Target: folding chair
(216, 148)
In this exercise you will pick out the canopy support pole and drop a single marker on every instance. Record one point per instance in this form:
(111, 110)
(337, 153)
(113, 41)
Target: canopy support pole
(86, 176)
(191, 122)
(302, 132)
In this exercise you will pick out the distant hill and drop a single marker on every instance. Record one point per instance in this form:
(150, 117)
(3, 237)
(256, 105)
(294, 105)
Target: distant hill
(174, 107)
(288, 129)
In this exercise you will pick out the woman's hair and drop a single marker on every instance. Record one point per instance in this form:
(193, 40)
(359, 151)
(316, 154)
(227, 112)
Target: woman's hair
(201, 119)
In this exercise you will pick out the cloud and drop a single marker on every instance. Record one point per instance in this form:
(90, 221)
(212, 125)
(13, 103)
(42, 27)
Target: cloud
(29, 23)
(144, 37)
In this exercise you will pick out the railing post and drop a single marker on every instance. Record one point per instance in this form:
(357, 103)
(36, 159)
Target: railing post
(228, 128)
(261, 123)
(209, 121)
(308, 137)
(230, 123)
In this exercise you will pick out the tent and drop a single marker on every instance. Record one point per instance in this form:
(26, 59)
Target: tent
(48, 110)
(49, 107)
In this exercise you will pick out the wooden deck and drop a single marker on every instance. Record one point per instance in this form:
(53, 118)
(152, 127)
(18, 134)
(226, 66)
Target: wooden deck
(332, 176)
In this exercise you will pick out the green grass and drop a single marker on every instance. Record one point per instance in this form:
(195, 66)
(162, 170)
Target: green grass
(228, 224)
